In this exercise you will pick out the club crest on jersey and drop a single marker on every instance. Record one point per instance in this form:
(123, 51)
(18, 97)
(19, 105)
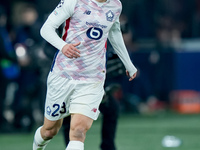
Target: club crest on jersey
(60, 4)
(110, 16)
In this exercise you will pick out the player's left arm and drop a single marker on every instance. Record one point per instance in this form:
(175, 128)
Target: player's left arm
(117, 42)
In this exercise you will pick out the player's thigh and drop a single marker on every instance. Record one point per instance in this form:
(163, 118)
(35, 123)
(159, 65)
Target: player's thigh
(79, 121)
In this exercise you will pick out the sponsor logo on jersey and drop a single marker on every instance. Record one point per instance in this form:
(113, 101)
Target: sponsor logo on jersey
(60, 4)
(96, 25)
(48, 110)
(94, 33)
(87, 12)
(110, 16)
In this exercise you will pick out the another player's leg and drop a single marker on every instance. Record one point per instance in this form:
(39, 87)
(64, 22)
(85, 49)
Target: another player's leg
(66, 128)
(80, 124)
(45, 133)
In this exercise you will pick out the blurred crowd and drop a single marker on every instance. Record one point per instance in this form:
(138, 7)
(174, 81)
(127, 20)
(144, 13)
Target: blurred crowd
(25, 58)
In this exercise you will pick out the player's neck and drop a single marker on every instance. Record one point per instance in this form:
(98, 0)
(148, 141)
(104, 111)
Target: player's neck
(101, 1)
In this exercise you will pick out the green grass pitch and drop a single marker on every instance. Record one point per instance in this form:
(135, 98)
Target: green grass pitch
(135, 132)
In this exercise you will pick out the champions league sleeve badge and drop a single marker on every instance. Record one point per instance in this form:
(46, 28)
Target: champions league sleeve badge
(60, 4)
(110, 16)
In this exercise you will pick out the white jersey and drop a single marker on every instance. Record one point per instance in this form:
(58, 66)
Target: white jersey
(91, 23)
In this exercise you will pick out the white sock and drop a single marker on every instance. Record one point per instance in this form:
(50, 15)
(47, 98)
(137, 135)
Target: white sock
(39, 143)
(75, 145)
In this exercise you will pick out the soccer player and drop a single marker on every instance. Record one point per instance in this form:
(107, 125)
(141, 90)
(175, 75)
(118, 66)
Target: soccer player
(75, 82)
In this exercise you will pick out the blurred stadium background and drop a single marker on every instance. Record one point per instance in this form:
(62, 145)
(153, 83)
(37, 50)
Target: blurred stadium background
(160, 107)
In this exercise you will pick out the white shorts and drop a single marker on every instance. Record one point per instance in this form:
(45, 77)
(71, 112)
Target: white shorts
(65, 97)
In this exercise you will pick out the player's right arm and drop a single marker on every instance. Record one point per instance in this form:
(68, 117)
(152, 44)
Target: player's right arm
(61, 13)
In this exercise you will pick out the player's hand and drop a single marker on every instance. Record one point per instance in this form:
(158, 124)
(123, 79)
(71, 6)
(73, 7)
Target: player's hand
(131, 77)
(71, 51)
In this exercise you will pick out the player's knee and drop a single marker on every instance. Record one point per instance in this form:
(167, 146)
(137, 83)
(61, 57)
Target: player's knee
(79, 132)
(79, 126)
(49, 134)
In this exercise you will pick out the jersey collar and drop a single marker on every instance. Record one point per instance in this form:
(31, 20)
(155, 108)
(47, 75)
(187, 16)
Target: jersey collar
(100, 4)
